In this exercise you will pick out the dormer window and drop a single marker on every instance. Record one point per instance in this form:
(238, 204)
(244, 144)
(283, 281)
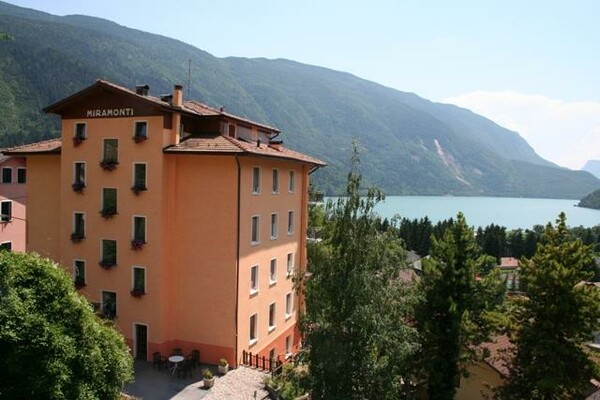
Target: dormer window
(231, 131)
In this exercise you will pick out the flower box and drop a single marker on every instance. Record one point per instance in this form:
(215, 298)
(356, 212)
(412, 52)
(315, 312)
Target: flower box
(137, 244)
(137, 292)
(139, 138)
(77, 141)
(108, 213)
(78, 187)
(107, 264)
(108, 165)
(136, 189)
(79, 283)
(76, 237)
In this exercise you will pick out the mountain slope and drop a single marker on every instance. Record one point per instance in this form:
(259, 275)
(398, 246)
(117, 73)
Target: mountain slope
(593, 167)
(411, 145)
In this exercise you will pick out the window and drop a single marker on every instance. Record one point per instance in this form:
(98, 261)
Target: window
(254, 279)
(288, 345)
(6, 211)
(80, 131)
(273, 271)
(231, 132)
(6, 246)
(292, 183)
(275, 181)
(109, 202)
(139, 229)
(290, 264)
(272, 354)
(21, 175)
(253, 330)
(139, 176)
(255, 230)
(274, 223)
(256, 180)
(79, 177)
(6, 175)
(109, 253)
(139, 280)
(290, 225)
(111, 151)
(141, 130)
(79, 273)
(109, 305)
(78, 226)
(271, 317)
(289, 305)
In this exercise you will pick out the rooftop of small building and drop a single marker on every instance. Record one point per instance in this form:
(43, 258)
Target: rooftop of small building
(509, 262)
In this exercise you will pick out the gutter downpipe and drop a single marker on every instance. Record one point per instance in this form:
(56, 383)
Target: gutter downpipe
(237, 258)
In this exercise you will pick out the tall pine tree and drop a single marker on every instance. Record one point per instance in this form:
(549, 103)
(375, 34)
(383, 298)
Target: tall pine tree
(550, 326)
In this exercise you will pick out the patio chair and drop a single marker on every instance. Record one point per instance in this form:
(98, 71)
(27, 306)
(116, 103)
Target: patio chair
(185, 369)
(196, 356)
(177, 352)
(158, 360)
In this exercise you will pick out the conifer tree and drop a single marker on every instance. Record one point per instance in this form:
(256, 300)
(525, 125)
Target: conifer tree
(450, 315)
(550, 326)
(355, 332)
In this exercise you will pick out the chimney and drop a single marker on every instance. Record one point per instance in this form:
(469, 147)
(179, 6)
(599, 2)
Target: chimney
(142, 90)
(177, 96)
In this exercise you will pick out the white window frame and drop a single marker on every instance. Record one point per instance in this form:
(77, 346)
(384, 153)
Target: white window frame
(257, 241)
(272, 271)
(10, 216)
(133, 164)
(116, 303)
(135, 127)
(291, 226)
(272, 324)
(292, 181)
(134, 336)
(253, 327)
(75, 171)
(116, 198)
(256, 188)
(133, 267)
(274, 227)
(84, 130)
(5, 242)
(75, 261)
(289, 305)
(275, 181)
(21, 169)
(102, 249)
(133, 217)
(75, 222)
(289, 266)
(11, 174)
(254, 287)
(102, 158)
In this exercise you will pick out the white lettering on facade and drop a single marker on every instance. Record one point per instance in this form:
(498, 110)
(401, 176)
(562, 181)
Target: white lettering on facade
(109, 112)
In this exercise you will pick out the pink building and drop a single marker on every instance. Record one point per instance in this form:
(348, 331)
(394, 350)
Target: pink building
(13, 199)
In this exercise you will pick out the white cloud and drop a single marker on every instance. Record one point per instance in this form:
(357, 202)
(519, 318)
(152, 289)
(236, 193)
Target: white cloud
(567, 134)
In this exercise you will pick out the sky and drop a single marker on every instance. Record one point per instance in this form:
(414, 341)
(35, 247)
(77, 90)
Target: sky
(531, 66)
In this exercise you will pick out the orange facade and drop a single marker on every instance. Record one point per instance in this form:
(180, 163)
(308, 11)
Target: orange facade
(179, 221)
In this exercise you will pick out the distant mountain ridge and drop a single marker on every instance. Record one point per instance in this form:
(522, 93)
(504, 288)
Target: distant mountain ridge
(593, 167)
(410, 145)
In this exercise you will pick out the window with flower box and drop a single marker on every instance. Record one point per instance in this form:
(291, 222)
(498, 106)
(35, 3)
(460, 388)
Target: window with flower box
(139, 281)
(109, 202)
(139, 232)
(78, 227)
(109, 253)
(79, 273)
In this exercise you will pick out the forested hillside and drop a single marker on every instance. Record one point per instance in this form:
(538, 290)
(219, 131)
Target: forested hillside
(410, 145)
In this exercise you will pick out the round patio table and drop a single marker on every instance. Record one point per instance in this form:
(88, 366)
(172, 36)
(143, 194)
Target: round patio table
(175, 360)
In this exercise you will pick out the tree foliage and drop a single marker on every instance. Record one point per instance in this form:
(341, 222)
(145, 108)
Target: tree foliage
(550, 326)
(451, 312)
(355, 330)
(52, 346)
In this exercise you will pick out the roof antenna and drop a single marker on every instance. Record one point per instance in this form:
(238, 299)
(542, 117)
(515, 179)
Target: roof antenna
(189, 79)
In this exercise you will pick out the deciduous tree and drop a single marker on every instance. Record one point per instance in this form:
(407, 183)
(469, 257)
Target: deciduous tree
(52, 346)
(355, 330)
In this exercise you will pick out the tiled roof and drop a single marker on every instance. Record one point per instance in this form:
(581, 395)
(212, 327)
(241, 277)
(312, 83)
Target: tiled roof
(224, 144)
(202, 109)
(509, 262)
(211, 144)
(51, 146)
(499, 349)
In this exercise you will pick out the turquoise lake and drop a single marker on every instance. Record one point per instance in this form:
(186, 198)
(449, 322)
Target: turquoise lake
(481, 211)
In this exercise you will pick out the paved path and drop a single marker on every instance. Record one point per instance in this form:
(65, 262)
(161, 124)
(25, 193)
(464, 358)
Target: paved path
(238, 384)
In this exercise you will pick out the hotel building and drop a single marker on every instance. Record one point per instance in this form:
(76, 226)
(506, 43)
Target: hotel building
(13, 198)
(181, 222)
